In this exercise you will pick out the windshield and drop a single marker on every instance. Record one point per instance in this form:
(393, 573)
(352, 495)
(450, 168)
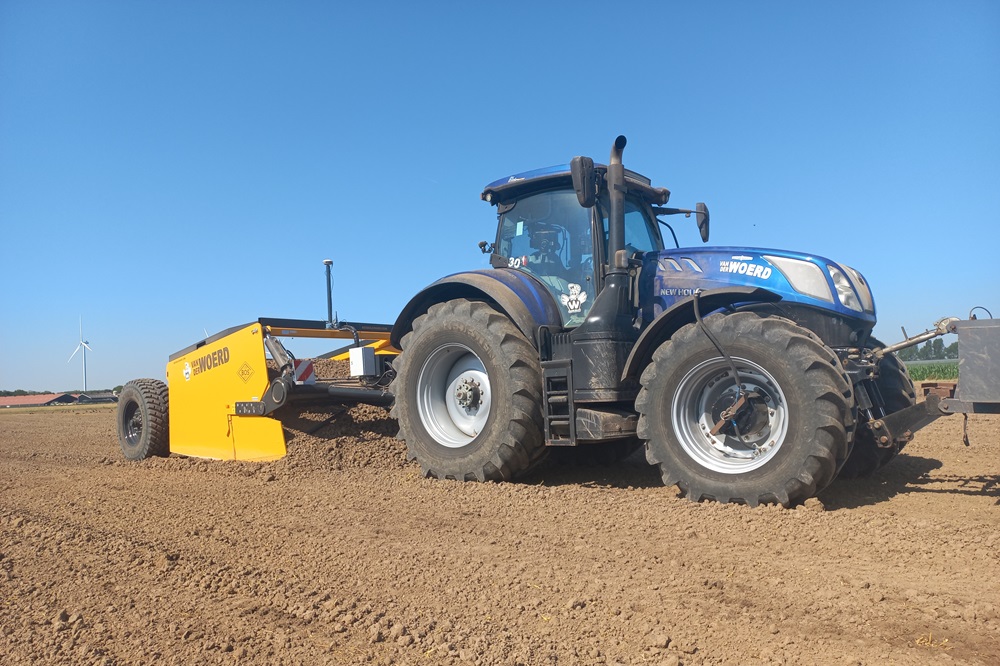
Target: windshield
(549, 236)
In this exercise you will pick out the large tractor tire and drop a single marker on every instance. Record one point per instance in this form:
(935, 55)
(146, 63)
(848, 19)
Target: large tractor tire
(143, 427)
(896, 388)
(468, 394)
(783, 445)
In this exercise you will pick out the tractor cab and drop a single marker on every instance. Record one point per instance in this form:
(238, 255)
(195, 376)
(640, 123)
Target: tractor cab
(545, 232)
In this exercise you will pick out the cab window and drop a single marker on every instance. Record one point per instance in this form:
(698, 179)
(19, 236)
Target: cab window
(549, 236)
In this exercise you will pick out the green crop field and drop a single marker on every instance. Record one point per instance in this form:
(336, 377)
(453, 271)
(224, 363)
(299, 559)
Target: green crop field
(922, 371)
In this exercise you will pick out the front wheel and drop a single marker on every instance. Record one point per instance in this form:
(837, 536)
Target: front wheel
(468, 394)
(779, 437)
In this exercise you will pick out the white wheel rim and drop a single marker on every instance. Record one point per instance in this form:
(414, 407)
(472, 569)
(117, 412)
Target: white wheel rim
(453, 395)
(702, 388)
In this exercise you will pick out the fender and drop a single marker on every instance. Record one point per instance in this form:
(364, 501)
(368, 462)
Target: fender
(681, 314)
(518, 295)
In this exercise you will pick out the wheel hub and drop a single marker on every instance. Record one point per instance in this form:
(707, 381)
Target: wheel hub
(468, 394)
(133, 424)
(740, 414)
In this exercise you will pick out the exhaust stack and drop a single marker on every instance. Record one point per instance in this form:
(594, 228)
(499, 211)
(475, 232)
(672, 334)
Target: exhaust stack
(616, 214)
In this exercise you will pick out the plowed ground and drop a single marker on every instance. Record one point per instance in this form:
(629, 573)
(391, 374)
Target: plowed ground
(342, 554)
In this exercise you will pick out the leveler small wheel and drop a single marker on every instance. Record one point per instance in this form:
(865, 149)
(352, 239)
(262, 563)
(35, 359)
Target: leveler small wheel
(143, 428)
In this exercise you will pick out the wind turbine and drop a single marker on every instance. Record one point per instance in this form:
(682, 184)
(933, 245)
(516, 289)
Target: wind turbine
(84, 346)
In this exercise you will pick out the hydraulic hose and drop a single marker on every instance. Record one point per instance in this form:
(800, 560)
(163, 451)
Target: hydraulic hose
(729, 413)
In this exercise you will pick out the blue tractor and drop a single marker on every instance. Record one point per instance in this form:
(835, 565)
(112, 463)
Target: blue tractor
(749, 375)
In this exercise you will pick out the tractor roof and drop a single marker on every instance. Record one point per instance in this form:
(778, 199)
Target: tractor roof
(522, 184)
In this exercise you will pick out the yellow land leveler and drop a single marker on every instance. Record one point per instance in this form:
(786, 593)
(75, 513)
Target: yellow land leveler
(226, 397)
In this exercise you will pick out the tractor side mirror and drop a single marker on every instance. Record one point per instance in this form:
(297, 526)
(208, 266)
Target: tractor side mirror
(584, 180)
(701, 216)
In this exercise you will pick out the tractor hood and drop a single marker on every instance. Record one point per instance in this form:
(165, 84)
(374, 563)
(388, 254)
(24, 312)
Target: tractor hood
(672, 275)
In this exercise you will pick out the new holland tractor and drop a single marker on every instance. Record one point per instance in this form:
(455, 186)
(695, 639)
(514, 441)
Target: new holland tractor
(749, 375)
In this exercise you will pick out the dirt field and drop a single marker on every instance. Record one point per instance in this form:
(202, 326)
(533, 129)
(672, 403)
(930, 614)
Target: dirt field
(342, 554)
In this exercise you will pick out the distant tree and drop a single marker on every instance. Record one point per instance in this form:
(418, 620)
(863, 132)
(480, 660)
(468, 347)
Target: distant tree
(932, 350)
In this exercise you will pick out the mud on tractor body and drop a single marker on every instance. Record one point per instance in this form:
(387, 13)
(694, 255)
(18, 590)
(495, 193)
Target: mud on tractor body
(749, 375)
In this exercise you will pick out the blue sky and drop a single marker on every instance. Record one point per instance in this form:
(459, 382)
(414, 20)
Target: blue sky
(171, 168)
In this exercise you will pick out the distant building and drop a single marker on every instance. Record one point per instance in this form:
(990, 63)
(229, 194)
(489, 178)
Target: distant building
(40, 400)
(97, 396)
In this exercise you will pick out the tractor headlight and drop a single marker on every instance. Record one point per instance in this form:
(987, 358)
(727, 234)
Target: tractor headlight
(804, 276)
(864, 291)
(845, 292)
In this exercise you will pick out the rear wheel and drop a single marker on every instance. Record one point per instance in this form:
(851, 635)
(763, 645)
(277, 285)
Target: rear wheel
(781, 443)
(468, 394)
(143, 427)
(896, 388)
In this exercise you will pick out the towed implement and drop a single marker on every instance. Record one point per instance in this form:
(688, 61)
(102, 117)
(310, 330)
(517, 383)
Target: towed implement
(227, 390)
(748, 375)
